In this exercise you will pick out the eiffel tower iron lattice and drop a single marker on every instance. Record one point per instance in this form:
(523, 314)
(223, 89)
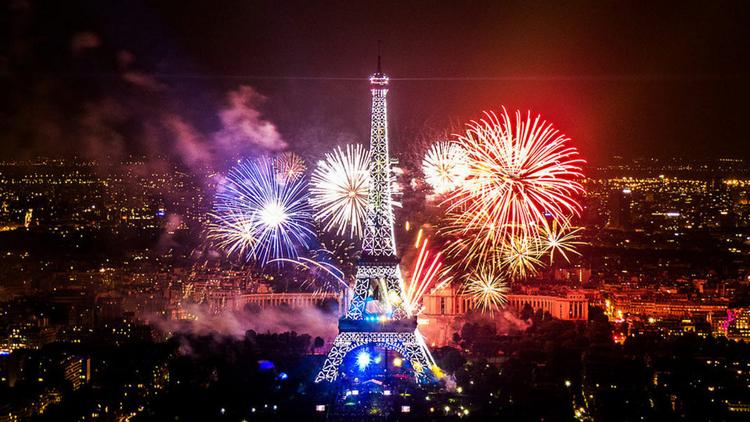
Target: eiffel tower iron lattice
(376, 315)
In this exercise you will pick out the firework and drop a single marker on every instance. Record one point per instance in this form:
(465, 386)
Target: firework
(419, 238)
(328, 266)
(258, 217)
(521, 256)
(320, 270)
(342, 252)
(521, 173)
(334, 264)
(233, 232)
(487, 288)
(339, 189)
(426, 273)
(289, 167)
(445, 166)
(560, 238)
(473, 248)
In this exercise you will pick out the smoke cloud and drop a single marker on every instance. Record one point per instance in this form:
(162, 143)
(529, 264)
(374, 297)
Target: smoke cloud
(115, 127)
(243, 125)
(85, 40)
(113, 109)
(143, 80)
(98, 129)
(190, 144)
(508, 323)
(306, 320)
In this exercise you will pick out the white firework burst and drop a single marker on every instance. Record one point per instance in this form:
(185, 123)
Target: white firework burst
(339, 189)
(445, 166)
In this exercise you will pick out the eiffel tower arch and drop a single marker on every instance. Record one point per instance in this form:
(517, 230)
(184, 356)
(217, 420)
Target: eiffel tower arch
(376, 315)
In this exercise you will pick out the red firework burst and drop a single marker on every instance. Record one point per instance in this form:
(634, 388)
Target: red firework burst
(522, 174)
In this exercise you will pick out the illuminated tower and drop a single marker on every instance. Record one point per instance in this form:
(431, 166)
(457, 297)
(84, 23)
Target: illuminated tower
(376, 315)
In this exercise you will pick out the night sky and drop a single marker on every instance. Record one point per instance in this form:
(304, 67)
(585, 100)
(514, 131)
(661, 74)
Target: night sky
(620, 78)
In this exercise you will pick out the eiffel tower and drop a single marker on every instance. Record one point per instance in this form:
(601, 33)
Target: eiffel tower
(376, 315)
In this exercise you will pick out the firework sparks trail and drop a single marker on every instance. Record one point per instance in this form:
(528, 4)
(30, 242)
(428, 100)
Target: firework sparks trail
(522, 181)
(424, 276)
(338, 255)
(521, 172)
(289, 167)
(487, 288)
(327, 266)
(258, 217)
(419, 238)
(339, 192)
(519, 256)
(233, 233)
(445, 166)
(310, 264)
(522, 255)
(474, 247)
(560, 238)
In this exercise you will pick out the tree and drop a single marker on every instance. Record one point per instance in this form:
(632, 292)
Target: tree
(453, 360)
(317, 343)
(596, 313)
(527, 312)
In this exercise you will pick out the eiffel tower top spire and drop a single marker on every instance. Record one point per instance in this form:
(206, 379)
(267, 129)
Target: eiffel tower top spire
(379, 68)
(378, 240)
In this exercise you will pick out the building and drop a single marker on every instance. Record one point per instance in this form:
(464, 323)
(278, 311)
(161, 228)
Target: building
(578, 275)
(443, 308)
(373, 318)
(738, 324)
(76, 370)
(448, 302)
(219, 301)
(572, 307)
(108, 308)
(719, 321)
(620, 307)
(619, 209)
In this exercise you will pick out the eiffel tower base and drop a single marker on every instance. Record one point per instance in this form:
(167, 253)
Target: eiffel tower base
(409, 344)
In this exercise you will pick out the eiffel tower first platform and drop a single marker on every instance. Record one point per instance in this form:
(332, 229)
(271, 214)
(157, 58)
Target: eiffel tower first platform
(376, 315)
